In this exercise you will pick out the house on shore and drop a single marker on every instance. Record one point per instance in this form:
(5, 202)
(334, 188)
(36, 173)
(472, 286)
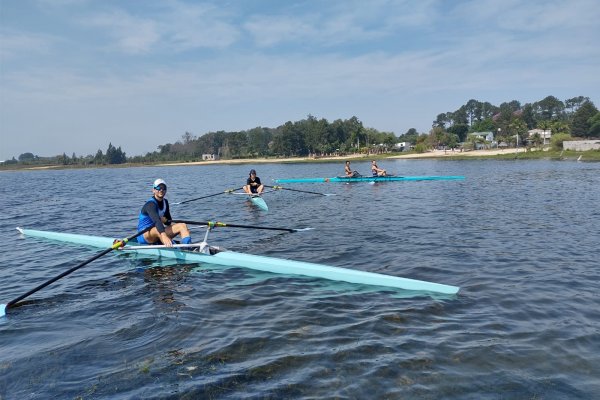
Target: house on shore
(544, 135)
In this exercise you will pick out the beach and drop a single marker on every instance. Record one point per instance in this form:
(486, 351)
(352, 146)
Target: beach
(429, 154)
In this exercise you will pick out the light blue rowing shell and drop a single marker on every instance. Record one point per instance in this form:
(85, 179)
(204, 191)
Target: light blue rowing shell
(259, 202)
(370, 179)
(260, 263)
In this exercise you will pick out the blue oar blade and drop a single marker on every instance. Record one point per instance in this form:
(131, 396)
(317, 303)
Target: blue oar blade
(2, 310)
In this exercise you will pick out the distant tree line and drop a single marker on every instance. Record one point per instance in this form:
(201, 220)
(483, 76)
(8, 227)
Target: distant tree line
(510, 121)
(114, 155)
(310, 136)
(575, 117)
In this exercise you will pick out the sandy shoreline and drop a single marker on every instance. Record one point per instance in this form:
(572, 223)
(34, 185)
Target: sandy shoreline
(473, 153)
(429, 154)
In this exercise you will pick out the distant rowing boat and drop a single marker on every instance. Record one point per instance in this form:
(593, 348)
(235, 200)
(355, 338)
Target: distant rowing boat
(255, 262)
(370, 179)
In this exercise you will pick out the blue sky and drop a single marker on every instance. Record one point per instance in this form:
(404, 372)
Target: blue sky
(78, 74)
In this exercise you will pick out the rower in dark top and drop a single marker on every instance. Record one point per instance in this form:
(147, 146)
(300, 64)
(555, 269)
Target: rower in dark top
(376, 170)
(253, 184)
(156, 212)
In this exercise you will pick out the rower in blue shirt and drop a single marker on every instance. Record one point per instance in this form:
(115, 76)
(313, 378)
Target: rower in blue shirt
(156, 212)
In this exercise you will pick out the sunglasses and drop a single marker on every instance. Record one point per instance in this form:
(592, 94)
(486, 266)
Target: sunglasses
(160, 187)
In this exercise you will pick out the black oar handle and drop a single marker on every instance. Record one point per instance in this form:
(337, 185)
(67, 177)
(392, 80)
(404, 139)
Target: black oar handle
(296, 190)
(216, 224)
(116, 245)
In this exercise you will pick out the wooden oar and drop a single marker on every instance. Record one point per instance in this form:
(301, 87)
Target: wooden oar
(301, 191)
(216, 224)
(207, 196)
(116, 245)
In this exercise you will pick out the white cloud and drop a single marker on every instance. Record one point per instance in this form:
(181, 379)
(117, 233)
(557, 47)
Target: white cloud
(176, 66)
(14, 44)
(132, 34)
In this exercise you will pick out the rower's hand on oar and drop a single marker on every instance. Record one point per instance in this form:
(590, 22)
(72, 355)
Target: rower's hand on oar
(166, 240)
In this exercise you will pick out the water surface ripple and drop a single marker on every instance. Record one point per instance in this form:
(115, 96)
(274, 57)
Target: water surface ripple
(519, 237)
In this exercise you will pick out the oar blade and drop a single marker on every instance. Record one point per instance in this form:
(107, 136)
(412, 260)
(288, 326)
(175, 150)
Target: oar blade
(2, 310)
(113, 246)
(303, 229)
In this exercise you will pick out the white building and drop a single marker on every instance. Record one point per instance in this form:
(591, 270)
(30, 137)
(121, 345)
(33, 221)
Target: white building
(487, 135)
(544, 134)
(402, 146)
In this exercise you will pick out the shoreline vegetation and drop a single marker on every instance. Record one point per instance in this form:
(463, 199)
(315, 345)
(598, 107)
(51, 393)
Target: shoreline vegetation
(497, 154)
(476, 129)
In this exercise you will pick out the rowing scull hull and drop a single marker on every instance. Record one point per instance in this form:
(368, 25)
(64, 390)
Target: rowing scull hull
(370, 179)
(260, 263)
(259, 202)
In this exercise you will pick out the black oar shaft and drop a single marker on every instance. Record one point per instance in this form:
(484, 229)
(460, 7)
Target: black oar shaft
(75, 268)
(223, 224)
(207, 196)
(296, 190)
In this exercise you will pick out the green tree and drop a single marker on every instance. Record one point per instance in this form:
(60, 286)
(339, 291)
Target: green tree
(459, 130)
(518, 128)
(573, 104)
(581, 119)
(485, 110)
(115, 155)
(594, 126)
(528, 116)
(537, 140)
(315, 134)
(560, 127)
(354, 131)
(187, 137)
(258, 141)
(289, 141)
(99, 158)
(550, 108)
(471, 111)
(484, 125)
(556, 141)
(442, 120)
(27, 157)
(410, 136)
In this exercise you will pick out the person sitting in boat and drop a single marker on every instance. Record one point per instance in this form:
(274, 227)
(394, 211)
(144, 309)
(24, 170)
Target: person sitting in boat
(253, 184)
(156, 212)
(348, 171)
(376, 170)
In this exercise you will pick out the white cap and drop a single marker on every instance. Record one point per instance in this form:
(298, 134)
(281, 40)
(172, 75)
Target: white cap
(159, 182)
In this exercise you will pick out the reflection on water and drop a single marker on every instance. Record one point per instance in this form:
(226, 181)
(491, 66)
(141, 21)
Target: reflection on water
(518, 237)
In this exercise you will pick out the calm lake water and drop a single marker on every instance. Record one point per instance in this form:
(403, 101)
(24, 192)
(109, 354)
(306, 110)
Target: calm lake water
(519, 237)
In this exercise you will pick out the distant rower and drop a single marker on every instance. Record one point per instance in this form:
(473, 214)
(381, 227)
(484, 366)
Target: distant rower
(376, 170)
(348, 171)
